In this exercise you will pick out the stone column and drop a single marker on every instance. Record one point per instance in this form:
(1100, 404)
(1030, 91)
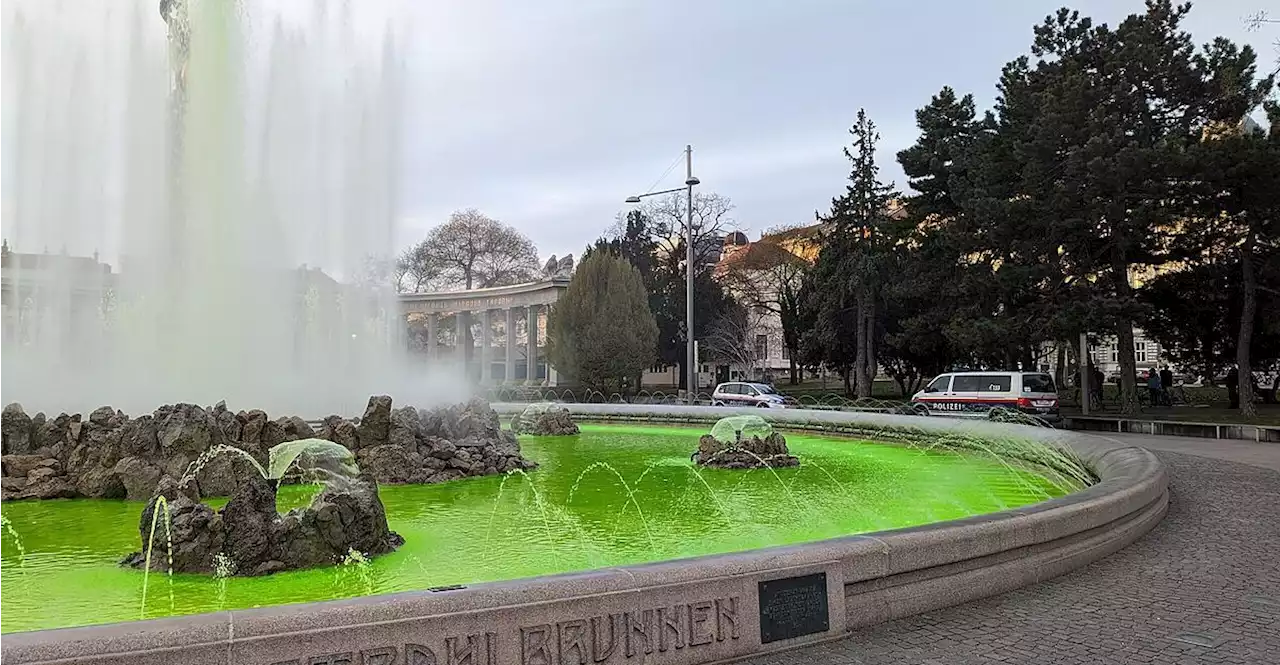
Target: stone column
(433, 319)
(551, 371)
(509, 375)
(531, 345)
(460, 337)
(486, 345)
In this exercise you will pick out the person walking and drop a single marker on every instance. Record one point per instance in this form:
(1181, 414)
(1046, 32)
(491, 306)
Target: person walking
(1095, 385)
(1153, 387)
(1233, 387)
(1166, 384)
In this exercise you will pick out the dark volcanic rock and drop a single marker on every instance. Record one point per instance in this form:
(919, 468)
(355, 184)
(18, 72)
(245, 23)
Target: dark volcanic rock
(251, 425)
(42, 486)
(18, 466)
(186, 429)
(339, 430)
(138, 477)
(110, 455)
(544, 420)
(405, 428)
(375, 425)
(248, 536)
(15, 430)
(746, 453)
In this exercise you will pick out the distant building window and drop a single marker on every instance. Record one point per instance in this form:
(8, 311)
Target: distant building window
(786, 353)
(1140, 351)
(762, 347)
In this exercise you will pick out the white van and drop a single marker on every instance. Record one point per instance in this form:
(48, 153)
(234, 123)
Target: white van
(974, 394)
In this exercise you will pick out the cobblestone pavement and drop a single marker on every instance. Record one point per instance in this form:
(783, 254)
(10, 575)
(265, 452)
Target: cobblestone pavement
(1208, 573)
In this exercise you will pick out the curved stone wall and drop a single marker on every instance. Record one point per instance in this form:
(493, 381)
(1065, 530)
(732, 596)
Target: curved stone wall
(683, 612)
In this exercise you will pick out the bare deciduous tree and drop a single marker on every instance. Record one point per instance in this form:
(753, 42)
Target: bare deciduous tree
(471, 251)
(415, 270)
(731, 338)
(766, 277)
(711, 222)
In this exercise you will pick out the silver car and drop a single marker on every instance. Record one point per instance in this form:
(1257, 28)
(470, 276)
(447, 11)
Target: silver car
(742, 393)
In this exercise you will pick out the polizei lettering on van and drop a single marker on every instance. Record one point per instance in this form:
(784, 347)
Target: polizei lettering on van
(963, 406)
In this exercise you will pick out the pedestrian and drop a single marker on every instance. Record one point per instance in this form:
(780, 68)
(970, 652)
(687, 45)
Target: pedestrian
(1153, 387)
(1233, 387)
(1095, 384)
(1166, 385)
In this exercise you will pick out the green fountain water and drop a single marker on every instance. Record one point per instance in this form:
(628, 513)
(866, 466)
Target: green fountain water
(613, 495)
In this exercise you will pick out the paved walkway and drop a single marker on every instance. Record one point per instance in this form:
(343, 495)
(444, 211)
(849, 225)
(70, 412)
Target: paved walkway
(1265, 455)
(1208, 574)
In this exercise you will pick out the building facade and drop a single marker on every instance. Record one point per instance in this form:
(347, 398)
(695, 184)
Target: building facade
(40, 291)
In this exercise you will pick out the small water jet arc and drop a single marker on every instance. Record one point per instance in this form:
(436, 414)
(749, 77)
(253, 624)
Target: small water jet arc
(7, 528)
(248, 537)
(743, 442)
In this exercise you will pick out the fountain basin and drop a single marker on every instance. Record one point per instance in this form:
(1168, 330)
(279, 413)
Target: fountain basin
(693, 610)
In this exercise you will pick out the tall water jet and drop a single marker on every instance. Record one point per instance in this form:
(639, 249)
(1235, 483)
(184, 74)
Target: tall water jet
(210, 152)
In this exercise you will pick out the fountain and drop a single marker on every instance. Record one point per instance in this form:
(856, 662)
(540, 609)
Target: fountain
(211, 150)
(249, 537)
(236, 165)
(743, 442)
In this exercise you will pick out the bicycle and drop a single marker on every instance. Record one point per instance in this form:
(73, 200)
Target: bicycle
(1095, 400)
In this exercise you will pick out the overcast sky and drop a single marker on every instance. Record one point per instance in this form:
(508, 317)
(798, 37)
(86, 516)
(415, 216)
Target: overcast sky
(548, 114)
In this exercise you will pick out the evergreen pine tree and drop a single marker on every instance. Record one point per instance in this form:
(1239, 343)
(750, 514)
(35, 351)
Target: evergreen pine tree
(601, 332)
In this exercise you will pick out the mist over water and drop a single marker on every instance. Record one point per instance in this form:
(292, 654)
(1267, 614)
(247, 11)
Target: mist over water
(208, 176)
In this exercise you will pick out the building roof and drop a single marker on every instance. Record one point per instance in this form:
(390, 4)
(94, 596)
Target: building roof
(11, 260)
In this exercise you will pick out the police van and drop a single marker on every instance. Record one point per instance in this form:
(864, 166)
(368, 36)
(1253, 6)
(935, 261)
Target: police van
(975, 394)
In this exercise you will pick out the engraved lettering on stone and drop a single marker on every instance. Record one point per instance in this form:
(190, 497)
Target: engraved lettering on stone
(379, 656)
(572, 640)
(726, 615)
(639, 623)
(464, 656)
(344, 658)
(596, 639)
(600, 648)
(669, 623)
(699, 616)
(790, 606)
(416, 654)
(535, 648)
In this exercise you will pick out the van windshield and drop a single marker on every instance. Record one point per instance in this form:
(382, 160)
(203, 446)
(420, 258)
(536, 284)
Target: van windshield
(1037, 383)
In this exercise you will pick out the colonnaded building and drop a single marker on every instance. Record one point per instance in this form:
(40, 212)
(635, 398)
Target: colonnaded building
(499, 333)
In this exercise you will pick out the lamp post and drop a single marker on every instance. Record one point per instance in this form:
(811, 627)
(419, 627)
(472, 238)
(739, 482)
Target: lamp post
(691, 368)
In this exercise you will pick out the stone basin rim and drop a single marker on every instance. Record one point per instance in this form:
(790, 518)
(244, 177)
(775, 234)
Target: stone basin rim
(877, 576)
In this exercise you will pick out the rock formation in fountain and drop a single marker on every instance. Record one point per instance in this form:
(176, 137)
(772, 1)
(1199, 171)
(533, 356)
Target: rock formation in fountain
(111, 455)
(248, 537)
(544, 419)
(743, 442)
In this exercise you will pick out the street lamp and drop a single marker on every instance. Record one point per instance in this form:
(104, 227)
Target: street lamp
(689, 182)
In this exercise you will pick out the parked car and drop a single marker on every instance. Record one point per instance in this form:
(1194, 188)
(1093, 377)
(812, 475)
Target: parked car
(743, 393)
(975, 394)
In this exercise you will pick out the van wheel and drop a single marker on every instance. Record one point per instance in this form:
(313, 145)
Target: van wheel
(716, 402)
(921, 410)
(762, 405)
